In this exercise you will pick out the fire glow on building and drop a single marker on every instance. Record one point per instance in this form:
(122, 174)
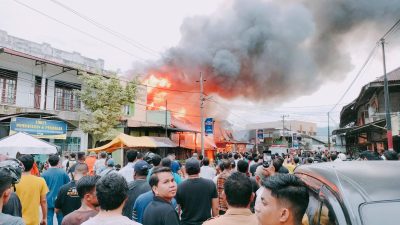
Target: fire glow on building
(183, 103)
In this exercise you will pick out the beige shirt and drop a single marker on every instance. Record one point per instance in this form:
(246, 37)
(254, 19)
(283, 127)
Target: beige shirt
(234, 216)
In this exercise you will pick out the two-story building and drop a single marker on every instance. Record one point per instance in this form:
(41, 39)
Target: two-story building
(37, 91)
(363, 122)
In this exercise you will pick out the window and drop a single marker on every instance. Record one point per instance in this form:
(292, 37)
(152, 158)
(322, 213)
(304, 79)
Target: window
(331, 210)
(65, 97)
(312, 213)
(384, 212)
(71, 144)
(8, 86)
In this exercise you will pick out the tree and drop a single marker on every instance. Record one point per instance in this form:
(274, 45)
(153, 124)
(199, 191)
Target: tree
(103, 99)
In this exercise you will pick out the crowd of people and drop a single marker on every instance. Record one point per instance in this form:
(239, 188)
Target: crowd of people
(235, 188)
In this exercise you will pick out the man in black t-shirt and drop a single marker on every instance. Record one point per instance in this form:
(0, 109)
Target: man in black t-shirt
(196, 196)
(160, 211)
(68, 199)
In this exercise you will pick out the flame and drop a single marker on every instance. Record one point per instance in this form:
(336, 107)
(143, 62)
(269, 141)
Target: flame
(153, 81)
(181, 113)
(157, 96)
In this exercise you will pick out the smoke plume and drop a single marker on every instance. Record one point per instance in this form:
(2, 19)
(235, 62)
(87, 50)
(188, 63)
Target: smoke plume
(270, 50)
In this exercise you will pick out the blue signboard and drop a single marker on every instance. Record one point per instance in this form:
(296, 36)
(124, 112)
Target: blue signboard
(50, 129)
(260, 135)
(209, 126)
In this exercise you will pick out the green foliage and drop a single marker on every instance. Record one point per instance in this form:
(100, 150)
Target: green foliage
(103, 98)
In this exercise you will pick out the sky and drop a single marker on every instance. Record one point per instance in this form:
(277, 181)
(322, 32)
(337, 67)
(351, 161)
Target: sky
(154, 26)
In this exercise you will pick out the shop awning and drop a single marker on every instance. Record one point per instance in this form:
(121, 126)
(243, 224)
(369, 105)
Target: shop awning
(25, 144)
(126, 141)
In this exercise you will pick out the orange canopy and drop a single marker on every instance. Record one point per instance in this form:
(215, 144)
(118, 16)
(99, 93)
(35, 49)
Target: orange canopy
(123, 140)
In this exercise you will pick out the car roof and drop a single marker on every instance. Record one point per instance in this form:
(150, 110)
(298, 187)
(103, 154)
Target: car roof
(358, 180)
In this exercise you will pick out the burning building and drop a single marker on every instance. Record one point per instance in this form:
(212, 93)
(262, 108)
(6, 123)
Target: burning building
(260, 51)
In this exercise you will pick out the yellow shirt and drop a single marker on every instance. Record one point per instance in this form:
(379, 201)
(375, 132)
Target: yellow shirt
(29, 190)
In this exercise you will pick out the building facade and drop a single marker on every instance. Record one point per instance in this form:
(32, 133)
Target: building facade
(38, 84)
(363, 122)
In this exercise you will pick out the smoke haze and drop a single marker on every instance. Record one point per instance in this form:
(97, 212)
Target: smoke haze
(269, 50)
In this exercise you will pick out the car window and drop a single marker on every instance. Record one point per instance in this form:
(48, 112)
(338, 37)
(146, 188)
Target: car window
(312, 213)
(331, 210)
(384, 213)
(327, 215)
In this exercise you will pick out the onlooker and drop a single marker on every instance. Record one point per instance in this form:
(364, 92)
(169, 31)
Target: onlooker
(258, 160)
(81, 159)
(389, 155)
(13, 206)
(90, 161)
(71, 161)
(222, 204)
(155, 160)
(100, 164)
(128, 170)
(111, 192)
(55, 177)
(206, 171)
(9, 175)
(110, 168)
(142, 202)
(86, 188)
(64, 162)
(32, 191)
(68, 199)
(196, 196)
(284, 200)
(242, 168)
(137, 187)
(166, 162)
(160, 211)
(238, 192)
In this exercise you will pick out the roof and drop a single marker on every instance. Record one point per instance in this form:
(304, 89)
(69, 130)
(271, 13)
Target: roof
(38, 59)
(25, 144)
(356, 182)
(124, 140)
(349, 111)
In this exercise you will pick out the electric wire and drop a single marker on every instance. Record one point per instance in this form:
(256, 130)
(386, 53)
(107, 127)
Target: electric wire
(109, 30)
(79, 30)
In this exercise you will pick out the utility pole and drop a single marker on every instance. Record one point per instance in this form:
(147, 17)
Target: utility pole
(256, 140)
(329, 136)
(387, 101)
(166, 118)
(202, 112)
(283, 126)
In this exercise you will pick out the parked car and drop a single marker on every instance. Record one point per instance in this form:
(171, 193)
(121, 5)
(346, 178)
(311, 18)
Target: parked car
(355, 192)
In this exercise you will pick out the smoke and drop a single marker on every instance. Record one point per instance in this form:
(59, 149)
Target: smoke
(270, 50)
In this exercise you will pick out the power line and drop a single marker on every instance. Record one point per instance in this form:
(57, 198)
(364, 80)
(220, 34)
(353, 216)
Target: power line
(109, 30)
(168, 89)
(355, 78)
(79, 30)
(391, 30)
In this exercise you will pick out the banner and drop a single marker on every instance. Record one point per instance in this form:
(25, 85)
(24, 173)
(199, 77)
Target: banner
(209, 126)
(295, 142)
(39, 128)
(260, 135)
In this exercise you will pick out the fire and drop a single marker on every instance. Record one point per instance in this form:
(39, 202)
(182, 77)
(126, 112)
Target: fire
(158, 94)
(153, 81)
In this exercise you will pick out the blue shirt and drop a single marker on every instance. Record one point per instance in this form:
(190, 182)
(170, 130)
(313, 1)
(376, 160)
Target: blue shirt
(142, 202)
(55, 178)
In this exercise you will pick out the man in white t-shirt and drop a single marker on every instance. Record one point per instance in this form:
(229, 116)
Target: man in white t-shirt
(206, 171)
(100, 163)
(128, 171)
(111, 192)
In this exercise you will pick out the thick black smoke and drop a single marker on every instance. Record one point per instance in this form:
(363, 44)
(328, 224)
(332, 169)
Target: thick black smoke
(270, 50)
